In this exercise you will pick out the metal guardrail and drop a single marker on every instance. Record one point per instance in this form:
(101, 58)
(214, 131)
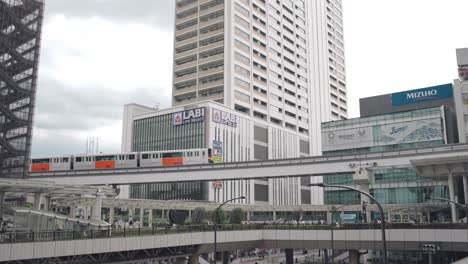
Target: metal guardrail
(63, 235)
(265, 163)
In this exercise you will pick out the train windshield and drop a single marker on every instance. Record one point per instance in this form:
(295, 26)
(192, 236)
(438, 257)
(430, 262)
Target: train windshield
(40, 161)
(172, 155)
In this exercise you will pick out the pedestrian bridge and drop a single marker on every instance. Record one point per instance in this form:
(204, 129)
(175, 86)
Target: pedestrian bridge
(453, 156)
(134, 244)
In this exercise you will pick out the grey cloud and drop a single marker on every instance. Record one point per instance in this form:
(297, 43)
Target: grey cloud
(158, 13)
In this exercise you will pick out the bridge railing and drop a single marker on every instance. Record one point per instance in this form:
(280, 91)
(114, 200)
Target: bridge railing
(61, 235)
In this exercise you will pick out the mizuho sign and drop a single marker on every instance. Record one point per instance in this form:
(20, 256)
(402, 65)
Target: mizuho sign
(422, 95)
(188, 117)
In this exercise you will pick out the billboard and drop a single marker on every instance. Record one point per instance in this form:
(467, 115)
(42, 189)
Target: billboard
(409, 132)
(188, 116)
(217, 151)
(347, 139)
(225, 118)
(422, 95)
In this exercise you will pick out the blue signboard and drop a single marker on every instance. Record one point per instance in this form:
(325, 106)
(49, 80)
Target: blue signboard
(423, 95)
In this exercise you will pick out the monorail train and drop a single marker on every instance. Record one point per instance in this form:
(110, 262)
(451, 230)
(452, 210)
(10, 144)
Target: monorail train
(122, 160)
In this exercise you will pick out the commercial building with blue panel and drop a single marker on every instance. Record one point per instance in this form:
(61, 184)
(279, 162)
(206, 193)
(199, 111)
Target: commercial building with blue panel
(410, 119)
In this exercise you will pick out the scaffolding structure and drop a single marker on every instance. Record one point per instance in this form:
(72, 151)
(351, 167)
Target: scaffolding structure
(20, 37)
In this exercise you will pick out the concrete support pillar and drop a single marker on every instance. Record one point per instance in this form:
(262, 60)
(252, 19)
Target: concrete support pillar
(226, 257)
(453, 208)
(248, 216)
(428, 216)
(142, 215)
(37, 201)
(401, 217)
(194, 259)
(130, 213)
(72, 211)
(85, 212)
(190, 214)
(97, 207)
(389, 215)
(2, 201)
(289, 252)
(329, 217)
(111, 215)
(421, 217)
(162, 214)
(274, 215)
(465, 188)
(46, 200)
(354, 257)
(150, 218)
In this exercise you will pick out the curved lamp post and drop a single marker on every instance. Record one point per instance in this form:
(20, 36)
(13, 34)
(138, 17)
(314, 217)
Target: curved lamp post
(216, 223)
(334, 209)
(382, 217)
(462, 206)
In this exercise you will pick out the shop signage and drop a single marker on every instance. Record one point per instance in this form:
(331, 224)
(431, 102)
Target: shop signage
(347, 139)
(189, 116)
(217, 151)
(225, 118)
(423, 95)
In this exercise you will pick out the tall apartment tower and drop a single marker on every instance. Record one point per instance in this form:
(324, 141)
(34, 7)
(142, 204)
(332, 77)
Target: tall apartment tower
(281, 61)
(20, 36)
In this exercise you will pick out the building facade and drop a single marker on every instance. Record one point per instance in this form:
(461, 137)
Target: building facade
(277, 61)
(232, 136)
(20, 37)
(385, 126)
(461, 94)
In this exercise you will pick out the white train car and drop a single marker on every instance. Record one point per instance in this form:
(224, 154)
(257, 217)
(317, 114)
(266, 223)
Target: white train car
(174, 158)
(105, 161)
(51, 164)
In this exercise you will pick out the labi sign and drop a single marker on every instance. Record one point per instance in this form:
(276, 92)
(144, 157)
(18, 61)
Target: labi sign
(422, 95)
(188, 117)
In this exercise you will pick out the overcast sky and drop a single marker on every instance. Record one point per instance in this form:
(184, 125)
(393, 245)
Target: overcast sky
(98, 55)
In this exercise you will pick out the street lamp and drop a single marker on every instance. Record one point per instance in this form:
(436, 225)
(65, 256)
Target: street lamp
(334, 209)
(464, 207)
(382, 217)
(216, 223)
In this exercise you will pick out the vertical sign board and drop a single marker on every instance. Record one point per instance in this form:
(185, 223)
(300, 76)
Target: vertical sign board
(423, 95)
(217, 151)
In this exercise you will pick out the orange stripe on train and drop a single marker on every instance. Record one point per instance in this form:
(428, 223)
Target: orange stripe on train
(108, 164)
(40, 167)
(172, 161)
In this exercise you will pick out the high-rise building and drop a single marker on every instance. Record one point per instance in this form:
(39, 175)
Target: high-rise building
(461, 94)
(275, 66)
(20, 37)
(278, 61)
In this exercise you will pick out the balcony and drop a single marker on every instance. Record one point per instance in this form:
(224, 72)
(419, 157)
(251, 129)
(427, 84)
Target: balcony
(186, 65)
(211, 9)
(186, 30)
(212, 33)
(211, 46)
(211, 21)
(187, 7)
(186, 42)
(211, 97)
(185, 54)
(211, 59)
(185, 77)
(207, 85)
(186, 19)
(185, 90)
(211, 71)
(259, 58)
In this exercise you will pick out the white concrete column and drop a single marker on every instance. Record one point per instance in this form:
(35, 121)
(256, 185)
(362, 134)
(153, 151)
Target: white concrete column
(329, 217)
(97, 207)
(428, 214)
(465, 187)
(86, 212)
(72, 211)
(46, 200)
(111, 215)
(37, 201)
(274, 215)
(2, 201)
(190, 214)
(162, 214)
(389, 215)
(452, 197)
(130, 213)
(150, 218)
(142, 214)
(248, 216)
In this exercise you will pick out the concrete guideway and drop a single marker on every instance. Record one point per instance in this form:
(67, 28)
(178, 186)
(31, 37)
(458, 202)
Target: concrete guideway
(258, 169)
(254, 236)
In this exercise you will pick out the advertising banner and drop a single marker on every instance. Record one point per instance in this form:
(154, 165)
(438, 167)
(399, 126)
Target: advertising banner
(225, 118)
(409, 132)
(188, 117)
(217, 151)
(423, 95)
(347, 139)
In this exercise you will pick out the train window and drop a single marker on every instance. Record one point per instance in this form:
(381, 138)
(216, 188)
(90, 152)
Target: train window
(157, 156)
(172, 155)
(105, 158)
(203, 153)
(65, 159)
(145, 156)
(131, 157)
(78, 159)
(40, 161)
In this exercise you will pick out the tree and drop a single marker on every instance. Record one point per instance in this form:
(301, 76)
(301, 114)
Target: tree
(237, 216)
(199, 214)
(221, 216)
